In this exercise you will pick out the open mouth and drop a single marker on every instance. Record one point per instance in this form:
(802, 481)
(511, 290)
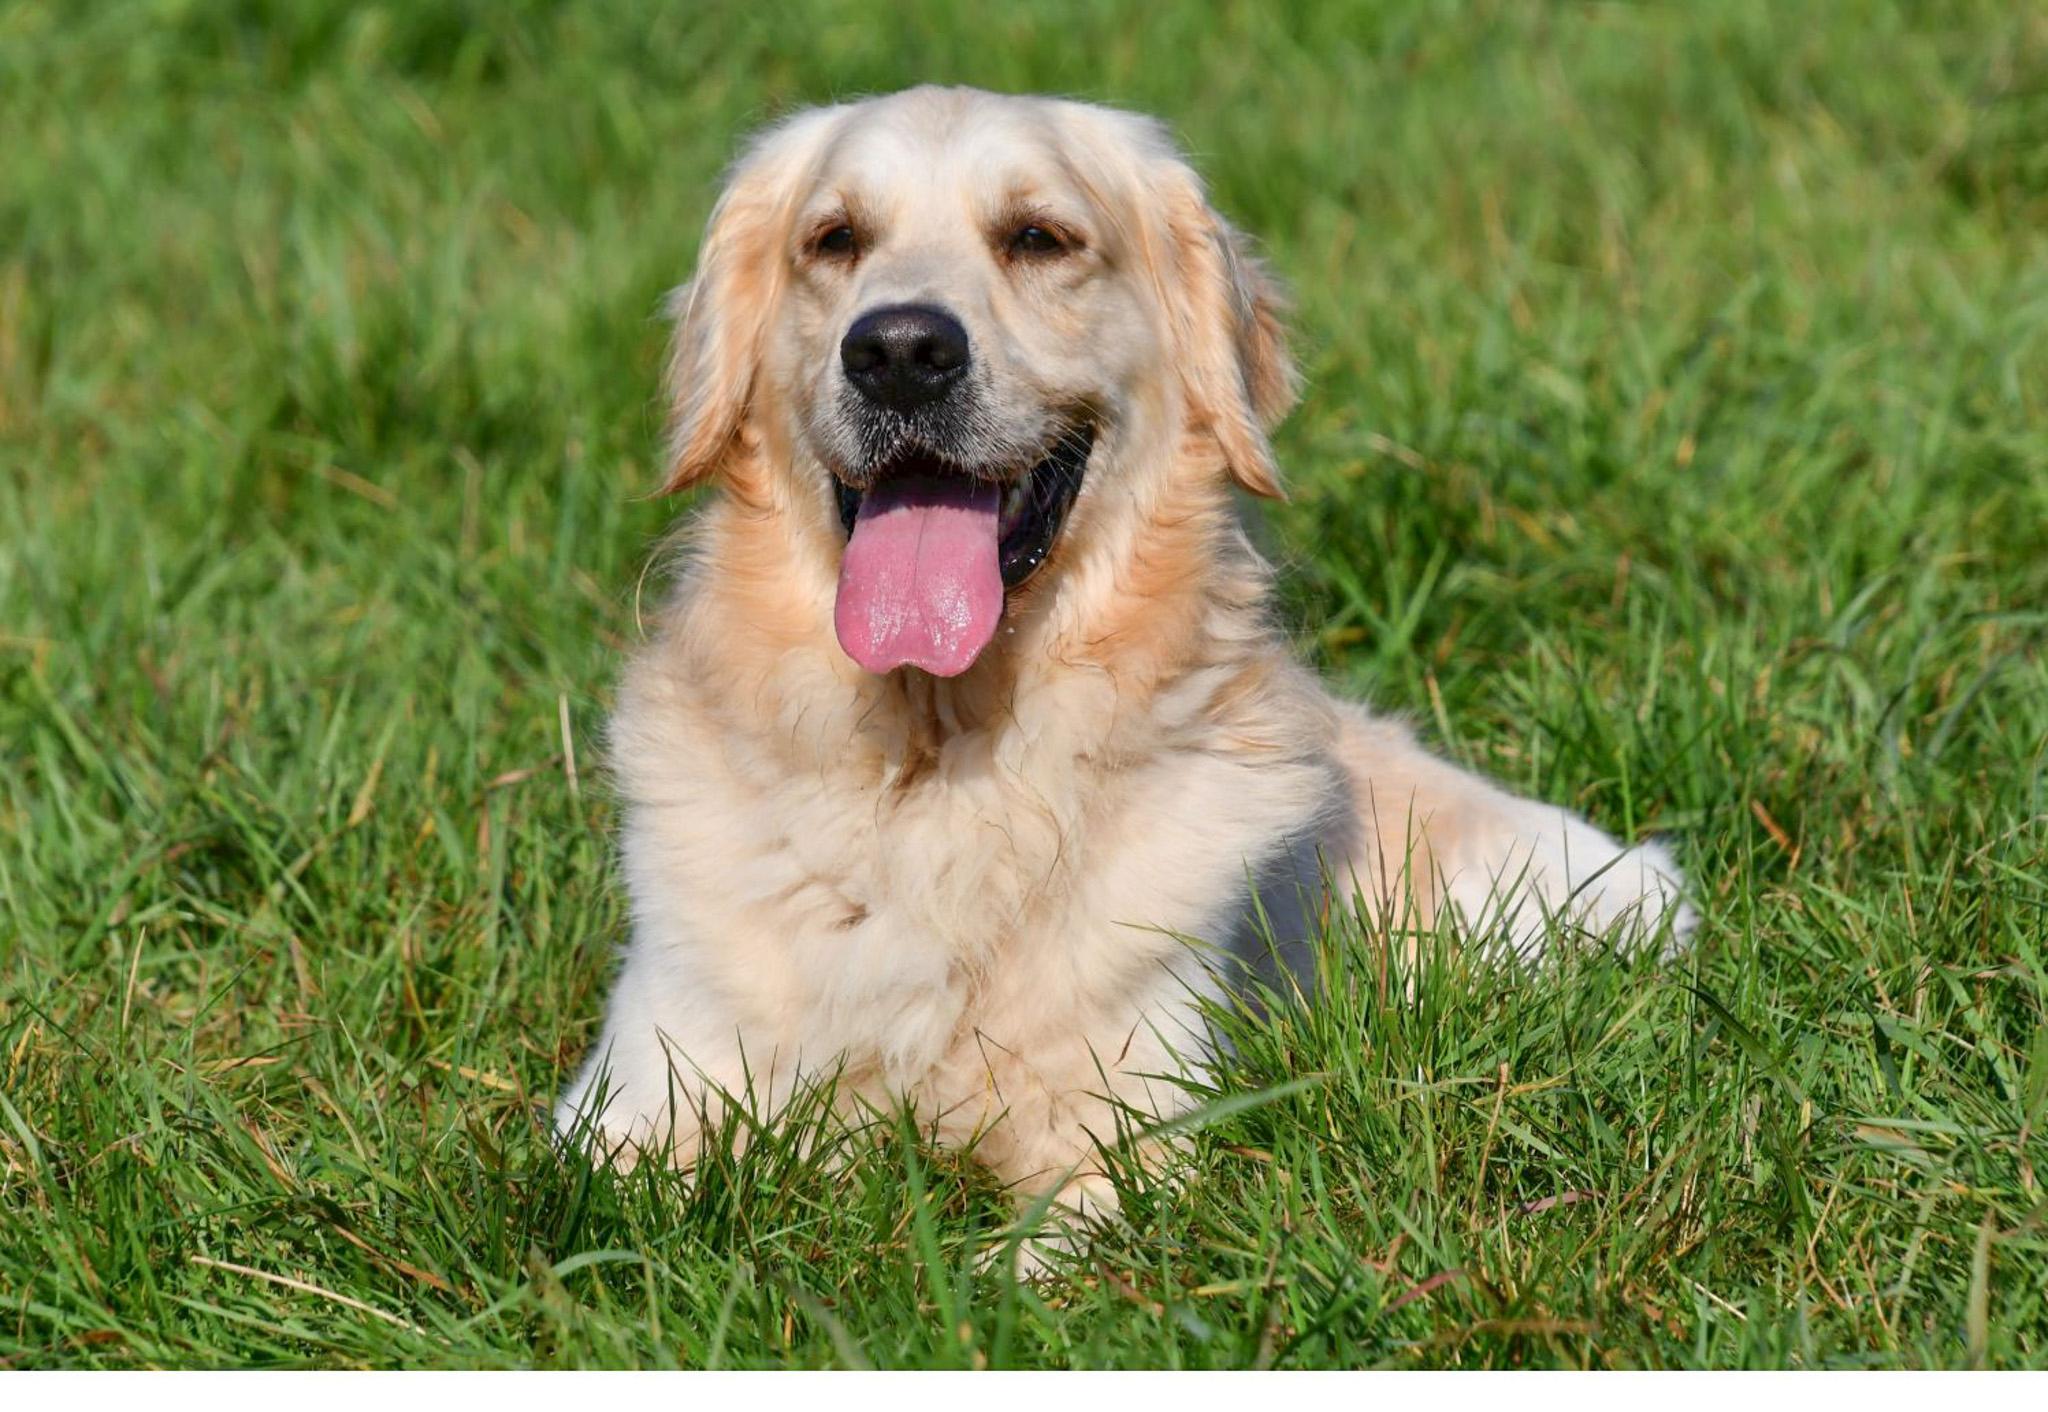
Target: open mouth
(1031, 512)
(932, 548)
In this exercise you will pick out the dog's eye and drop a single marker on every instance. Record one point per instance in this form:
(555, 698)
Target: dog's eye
(1035, 241)
(838, 243)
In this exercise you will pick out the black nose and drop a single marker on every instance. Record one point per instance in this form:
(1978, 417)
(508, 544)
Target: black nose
(905, 357)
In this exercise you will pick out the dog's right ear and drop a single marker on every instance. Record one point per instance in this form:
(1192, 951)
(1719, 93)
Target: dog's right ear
(722, 315)
(1223, 311)
(1234, 357)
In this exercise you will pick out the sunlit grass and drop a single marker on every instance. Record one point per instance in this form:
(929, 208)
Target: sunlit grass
(1675, 448)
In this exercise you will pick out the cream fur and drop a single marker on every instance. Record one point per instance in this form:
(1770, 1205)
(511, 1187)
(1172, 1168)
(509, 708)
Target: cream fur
(965, 893)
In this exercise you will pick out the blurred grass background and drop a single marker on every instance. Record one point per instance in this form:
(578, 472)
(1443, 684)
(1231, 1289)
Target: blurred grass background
(1676, 447)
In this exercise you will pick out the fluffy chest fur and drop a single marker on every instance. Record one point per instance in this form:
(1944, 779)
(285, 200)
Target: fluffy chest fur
(896, 872)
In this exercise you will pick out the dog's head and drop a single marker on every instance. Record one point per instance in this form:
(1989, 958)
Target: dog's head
(951, 332)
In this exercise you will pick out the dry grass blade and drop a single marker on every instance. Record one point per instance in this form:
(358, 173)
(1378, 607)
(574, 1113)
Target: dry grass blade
(306, 1287)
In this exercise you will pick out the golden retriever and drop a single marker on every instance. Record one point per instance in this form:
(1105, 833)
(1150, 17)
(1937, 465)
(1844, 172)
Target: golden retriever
(968, 711)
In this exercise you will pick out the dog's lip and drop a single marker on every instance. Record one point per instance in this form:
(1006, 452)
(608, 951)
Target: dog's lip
(1036, 501)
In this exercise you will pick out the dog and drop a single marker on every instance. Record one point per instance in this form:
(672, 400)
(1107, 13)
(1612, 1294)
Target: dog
(967, 712)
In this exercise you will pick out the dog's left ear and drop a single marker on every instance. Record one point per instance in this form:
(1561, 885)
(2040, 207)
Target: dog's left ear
(722, 315)
(1227, 310)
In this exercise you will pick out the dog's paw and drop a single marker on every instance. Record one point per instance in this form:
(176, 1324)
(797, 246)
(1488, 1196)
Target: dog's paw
(600, 1145)
(1043, 1258)
(1051, 1237)
(1565, 878)
(601, 1124)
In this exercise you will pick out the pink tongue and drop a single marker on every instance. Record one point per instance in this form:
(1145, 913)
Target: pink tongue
(920, 582)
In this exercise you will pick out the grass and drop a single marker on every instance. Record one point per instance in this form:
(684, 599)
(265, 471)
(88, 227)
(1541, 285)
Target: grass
(1676, 448)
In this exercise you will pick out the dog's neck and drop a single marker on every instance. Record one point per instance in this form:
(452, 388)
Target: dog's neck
(1133, 612)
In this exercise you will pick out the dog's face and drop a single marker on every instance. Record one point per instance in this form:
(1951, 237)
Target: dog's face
(947, 316)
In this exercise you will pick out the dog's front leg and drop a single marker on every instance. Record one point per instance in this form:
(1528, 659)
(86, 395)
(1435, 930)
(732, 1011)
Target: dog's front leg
(668, 1067)
(1060, 1118)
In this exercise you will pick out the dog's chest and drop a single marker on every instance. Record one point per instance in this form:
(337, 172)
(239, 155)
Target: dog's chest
(944, 869)
(1030, 881)
(984, 902)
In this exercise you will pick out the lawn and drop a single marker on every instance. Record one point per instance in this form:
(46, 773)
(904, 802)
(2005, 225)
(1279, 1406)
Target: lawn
(1675, 448)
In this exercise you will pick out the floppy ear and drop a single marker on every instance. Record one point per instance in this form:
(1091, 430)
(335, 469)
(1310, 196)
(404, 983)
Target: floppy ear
(1233, 349)
(722, 315)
